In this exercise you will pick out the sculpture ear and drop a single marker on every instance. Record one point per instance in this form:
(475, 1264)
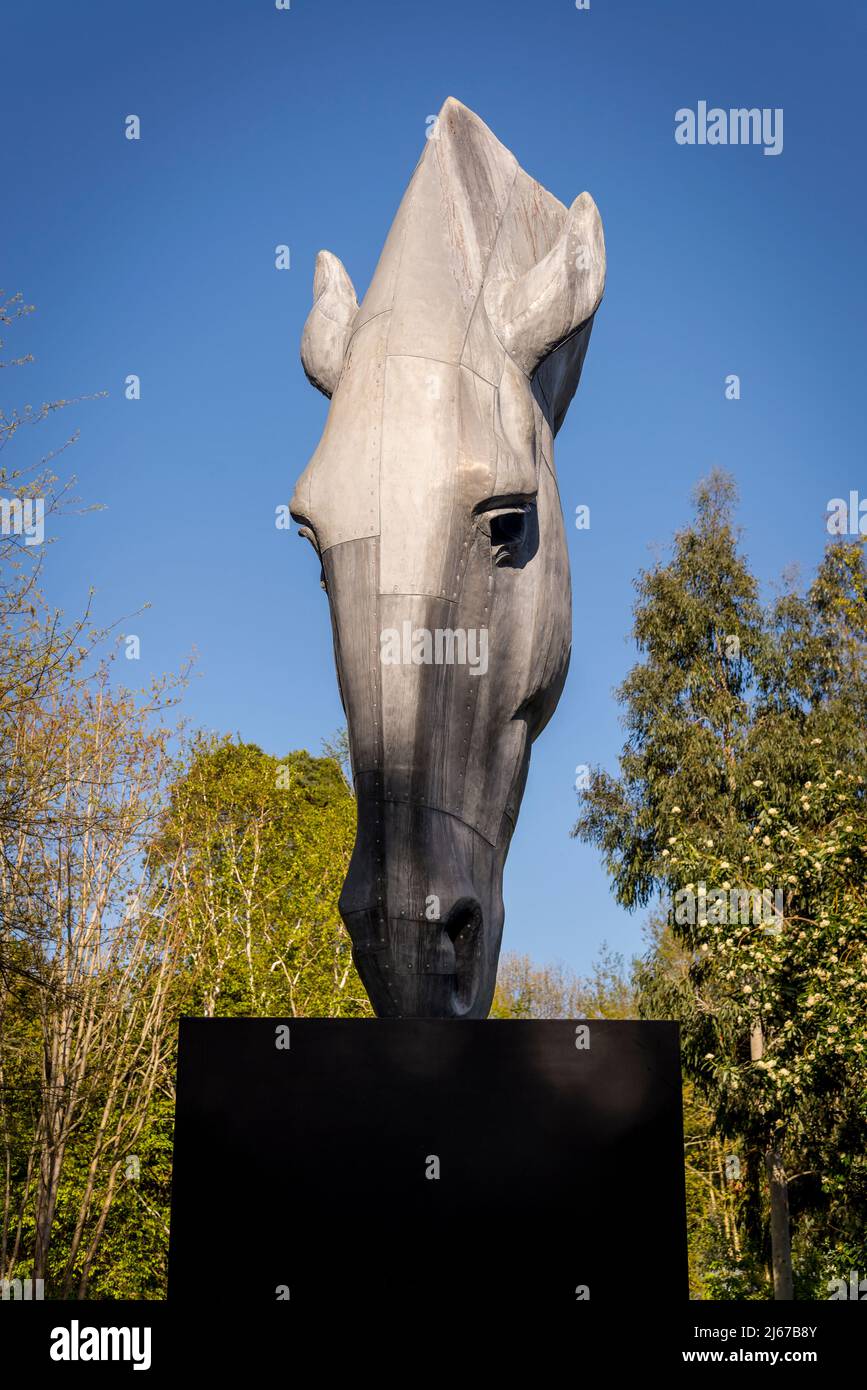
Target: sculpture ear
(533, 315)
(326, 331)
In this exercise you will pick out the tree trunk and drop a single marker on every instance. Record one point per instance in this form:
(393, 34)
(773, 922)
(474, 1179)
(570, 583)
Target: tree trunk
(781, 1235)
(778, 1193)
(46, 1202)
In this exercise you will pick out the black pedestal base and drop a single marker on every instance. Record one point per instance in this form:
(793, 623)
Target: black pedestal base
(427, 1164)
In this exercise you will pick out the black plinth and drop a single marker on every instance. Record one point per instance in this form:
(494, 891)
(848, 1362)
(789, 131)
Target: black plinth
(302, 1172)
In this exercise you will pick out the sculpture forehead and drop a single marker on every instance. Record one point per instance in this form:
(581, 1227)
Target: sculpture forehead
(430, 416)
(411, 448)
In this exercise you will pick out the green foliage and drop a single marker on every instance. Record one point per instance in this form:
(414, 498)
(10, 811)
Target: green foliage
(255, 850)
(132, 1256)
(741, 786)
(131, 892)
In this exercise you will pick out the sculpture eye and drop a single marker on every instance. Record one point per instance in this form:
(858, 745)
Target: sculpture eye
(507, 522)
(508, 528)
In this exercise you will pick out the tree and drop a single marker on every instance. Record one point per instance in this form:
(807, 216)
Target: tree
(84, 1029)
(527, 990)
(739, 720)
(142, 875)
(250, 858)
(337, 747)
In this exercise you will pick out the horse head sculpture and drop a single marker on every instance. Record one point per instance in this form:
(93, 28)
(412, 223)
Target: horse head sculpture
(433, 506)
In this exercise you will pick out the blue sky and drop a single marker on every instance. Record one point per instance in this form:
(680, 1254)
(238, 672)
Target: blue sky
(262, 127)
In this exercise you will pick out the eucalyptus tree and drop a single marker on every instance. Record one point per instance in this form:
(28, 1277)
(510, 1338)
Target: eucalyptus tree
(741, 787)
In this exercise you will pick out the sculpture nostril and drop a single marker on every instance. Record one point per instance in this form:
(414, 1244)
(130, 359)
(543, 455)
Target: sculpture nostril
(463, 918)
(463, 926)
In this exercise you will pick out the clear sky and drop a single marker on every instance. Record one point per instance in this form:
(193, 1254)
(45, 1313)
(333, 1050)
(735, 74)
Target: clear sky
(261, 127)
